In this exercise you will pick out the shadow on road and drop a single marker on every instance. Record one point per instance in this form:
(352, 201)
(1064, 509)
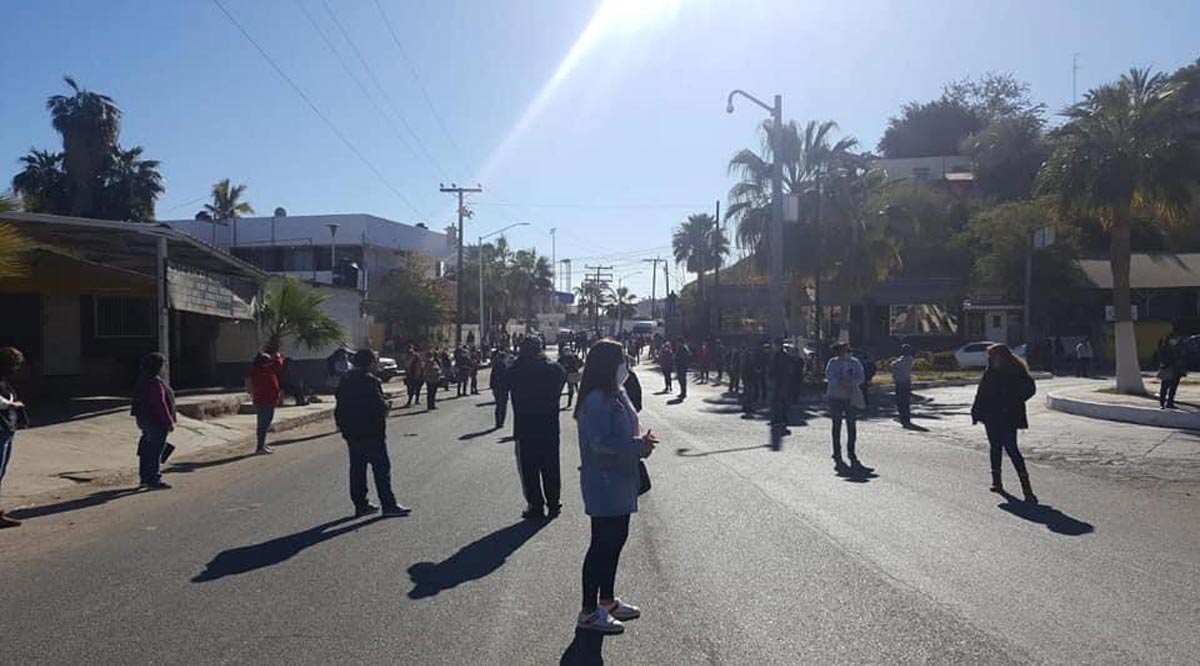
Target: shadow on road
(472, 562)
(686, 452)
(269, 553)
(586, 650)
(95, 499)
(1056, 521)
(481, 433)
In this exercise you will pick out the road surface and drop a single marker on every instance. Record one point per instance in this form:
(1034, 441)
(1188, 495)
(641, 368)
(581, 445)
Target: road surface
(740, 555)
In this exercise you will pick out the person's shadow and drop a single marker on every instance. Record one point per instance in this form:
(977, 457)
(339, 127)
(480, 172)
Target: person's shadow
(587, 649)
(473, 561)
(481, 433)
(676, 401)
(1056, 521)
(269, 553)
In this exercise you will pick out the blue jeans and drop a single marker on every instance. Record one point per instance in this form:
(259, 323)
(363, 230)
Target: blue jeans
(265, 416)
(840, 409)
(6, 447)
(150, 448)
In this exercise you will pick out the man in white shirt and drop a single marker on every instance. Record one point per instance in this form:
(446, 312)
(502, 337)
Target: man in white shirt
(902, 376)
(1083, 357)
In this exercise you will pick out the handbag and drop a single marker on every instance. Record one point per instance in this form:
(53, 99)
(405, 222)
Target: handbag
(857, 400)
(643, 478)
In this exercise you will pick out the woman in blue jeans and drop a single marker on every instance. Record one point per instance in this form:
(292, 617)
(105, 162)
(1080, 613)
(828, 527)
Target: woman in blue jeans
(12, 412)
(844, 375)
(611, 444)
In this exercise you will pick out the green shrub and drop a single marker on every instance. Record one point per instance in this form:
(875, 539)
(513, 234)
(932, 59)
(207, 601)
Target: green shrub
(922, 365)
(943, 361)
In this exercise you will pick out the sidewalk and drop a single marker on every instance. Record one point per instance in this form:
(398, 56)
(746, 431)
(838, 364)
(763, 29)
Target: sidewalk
(1143, 410)
(92, 442)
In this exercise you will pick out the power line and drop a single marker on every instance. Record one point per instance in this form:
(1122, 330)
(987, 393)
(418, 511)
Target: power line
(312, 105)
(386, 98)
(421, 86)
(593, 205)
(354, 77)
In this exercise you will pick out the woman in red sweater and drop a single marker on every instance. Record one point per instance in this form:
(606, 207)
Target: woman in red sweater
(264, 387)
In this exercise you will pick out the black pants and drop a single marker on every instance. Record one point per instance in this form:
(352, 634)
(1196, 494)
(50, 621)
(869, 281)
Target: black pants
(667, 376)
(501, 406)
(733, 381)
(371, 451)
(414, 392)
(1166, 392)
(431, 395)
(1003, 438)
(904, 402)
(474, 383)
(839, 410)
(537, 462)
(149, 450)
(681, 375)
(779, 406)
(603, 556)
(1081, 367)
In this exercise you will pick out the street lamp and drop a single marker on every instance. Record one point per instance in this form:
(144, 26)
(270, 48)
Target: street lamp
(775, 230)
(480, 257)
(333, 227)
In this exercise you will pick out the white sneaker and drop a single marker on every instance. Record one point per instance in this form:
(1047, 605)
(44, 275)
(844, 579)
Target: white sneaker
(599, 620)
(623, 611)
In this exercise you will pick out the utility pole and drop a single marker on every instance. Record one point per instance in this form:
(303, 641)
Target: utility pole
(458, 274)
(654, 285)
(601, 281)
(553, 251)
(1074, 77)
(566, 283)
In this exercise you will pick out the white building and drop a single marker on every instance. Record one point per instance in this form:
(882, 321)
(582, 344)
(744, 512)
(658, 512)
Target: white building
(309, 246)
(926, 169)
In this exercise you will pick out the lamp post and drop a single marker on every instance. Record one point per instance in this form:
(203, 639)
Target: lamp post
(775, 230)
(333, 227)
(480, 252)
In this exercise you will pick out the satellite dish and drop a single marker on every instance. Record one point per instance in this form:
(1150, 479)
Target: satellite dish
(280, 212)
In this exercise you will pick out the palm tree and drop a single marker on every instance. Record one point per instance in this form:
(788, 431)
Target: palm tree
(227, 202)
(13, 244)
(592, 297)
(131, 186)
(90, 124)
(1127, 151)
(292, 311)
(622, 306)
(42, 183)
(692, 246)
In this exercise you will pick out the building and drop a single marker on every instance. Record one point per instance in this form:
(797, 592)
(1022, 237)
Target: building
(951, 168)
(98, 295)
(309, 247)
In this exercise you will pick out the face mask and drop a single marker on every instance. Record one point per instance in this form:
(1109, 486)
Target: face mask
(622, 374)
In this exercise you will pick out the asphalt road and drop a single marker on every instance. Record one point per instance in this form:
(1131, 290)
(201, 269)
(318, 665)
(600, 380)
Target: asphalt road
(740, 555)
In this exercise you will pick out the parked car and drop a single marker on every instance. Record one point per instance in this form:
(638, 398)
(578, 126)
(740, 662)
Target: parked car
(973, 354)
(388, 368)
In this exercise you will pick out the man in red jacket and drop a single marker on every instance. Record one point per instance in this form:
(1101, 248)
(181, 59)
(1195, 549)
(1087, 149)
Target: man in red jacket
(264, 387)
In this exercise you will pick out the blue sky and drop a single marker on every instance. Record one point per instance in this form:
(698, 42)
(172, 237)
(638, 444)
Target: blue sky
(603, 119)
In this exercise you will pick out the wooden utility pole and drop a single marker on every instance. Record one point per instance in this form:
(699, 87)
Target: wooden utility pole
(654, 285)
(601, 281)
(458, 274)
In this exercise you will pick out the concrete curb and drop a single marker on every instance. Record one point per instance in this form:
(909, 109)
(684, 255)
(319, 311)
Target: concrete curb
(1160, 418)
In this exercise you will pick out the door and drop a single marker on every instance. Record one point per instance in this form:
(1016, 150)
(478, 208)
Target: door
(62, 343)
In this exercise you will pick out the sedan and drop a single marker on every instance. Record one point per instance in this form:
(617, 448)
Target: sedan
(973, 354)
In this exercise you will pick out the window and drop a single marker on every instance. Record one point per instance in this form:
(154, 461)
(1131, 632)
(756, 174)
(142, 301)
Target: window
(977, 347)
(995, 321)
(921, 173)
(124, 317)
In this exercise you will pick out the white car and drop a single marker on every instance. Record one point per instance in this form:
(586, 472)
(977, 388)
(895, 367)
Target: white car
(388, 368)
(974, 354)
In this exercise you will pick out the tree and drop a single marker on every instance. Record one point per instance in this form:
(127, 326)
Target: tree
(692, 246)
(622, 306)
(129, 187)
(42, 183)
(408, 303)
(291, 311)
(1128, 150)
(227, 202)
(1006, 156)
(90, 124)
(993, 97)
(592, 298)
(928, 130)
(13, 244)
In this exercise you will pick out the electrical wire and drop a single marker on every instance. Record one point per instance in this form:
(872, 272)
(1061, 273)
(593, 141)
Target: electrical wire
(312, 105)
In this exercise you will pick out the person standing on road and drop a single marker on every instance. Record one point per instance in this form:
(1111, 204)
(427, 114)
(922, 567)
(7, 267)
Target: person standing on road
(153, 406)
(433, 377)
(1083, 357)
(611, 444)
(902, 368)
(573, 366)
(536, 386)
(780, 370)
(498, 382)
(263, 381)
(1172, 367)
(1000, 405)
(414, 376)
(683, 361)
(666, 361)
(845, 376)
(361, 415)
(12, 415)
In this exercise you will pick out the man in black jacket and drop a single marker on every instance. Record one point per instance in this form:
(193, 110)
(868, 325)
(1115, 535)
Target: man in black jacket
(361, 415)
(499, 385)
(683, 361)
(536, 385)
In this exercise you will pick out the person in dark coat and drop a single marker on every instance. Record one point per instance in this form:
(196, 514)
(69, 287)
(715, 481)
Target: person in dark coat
(536, 385)
(780, 370)
(1000, 406)
(361, 415)
(153, 406)
(633, 387)
(499, 385)
(12, 414)
(1172, 368)
(683, 361)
